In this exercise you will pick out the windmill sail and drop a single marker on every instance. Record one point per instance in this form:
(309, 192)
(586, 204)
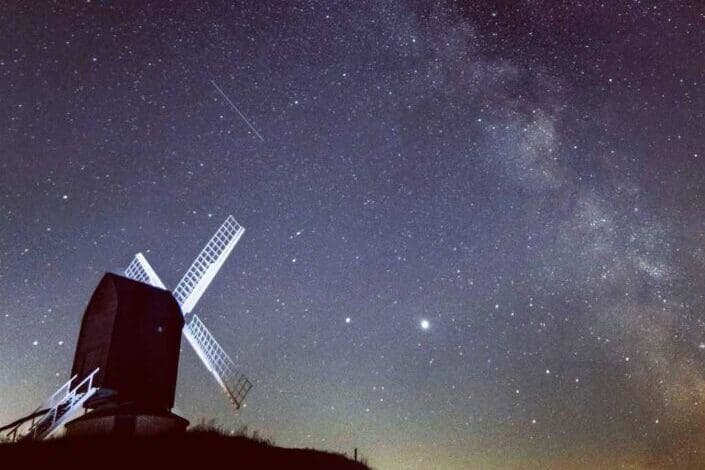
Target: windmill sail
(234, 384)
(140, 270)
(206, 266)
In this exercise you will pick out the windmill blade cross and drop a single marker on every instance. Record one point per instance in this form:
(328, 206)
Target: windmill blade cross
(187, 293)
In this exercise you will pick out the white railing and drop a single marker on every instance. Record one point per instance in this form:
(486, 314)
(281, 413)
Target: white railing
(60, 408)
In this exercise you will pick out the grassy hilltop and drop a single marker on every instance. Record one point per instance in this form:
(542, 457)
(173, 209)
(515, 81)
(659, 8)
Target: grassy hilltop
(197, 450)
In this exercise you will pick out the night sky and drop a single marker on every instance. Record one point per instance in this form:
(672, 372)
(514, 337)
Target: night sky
(475, 232)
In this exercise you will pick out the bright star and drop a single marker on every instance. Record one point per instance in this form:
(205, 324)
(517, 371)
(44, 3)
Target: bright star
(425, 325)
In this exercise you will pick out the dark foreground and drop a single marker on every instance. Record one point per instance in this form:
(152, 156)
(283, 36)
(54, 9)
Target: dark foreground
(192, 450)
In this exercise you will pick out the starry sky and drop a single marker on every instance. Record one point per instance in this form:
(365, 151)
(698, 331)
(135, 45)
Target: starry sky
(475, 230)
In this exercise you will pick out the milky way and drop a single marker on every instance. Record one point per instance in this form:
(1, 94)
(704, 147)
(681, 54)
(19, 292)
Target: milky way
(474, 231)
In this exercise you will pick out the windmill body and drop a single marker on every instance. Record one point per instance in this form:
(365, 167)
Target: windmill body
(130, 334)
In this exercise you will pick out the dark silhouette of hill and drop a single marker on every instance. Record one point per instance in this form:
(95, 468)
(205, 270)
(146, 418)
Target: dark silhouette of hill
(190, 450)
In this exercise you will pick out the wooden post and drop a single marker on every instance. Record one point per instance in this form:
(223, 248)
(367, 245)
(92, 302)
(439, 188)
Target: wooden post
(355, 454)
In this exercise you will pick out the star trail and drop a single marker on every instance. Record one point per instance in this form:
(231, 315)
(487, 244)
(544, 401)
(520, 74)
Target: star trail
(475, 230)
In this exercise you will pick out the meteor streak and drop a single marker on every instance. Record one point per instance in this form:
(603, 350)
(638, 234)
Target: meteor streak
(237, 110)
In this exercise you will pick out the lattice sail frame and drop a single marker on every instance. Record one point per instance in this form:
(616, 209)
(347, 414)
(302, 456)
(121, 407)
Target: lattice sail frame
(188, 292)
(234, 383)
(202, 271)
(140, 270)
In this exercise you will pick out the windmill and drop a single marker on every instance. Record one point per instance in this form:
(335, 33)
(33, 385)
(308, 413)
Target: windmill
(128, 347)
